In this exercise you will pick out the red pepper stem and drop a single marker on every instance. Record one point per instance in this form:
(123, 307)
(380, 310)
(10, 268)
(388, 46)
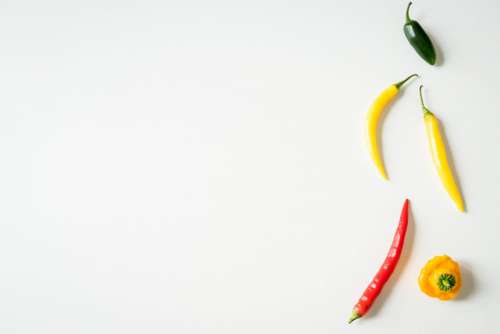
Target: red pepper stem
(354, 316)
(408, 20)
(402, 82)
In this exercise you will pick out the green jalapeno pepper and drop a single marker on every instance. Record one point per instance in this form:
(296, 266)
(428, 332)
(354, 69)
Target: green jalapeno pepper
(419, 39)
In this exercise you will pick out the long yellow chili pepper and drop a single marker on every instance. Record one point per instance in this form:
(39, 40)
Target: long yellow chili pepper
(373, 119)
(438, 152)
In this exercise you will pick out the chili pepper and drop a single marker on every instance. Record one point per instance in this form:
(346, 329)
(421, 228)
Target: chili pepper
(419, 39)
(440, 278)
(438, 152)
(385, 271)
(373, 118)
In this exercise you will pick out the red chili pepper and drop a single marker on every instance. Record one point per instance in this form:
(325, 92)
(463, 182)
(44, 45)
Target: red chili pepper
(385, 271)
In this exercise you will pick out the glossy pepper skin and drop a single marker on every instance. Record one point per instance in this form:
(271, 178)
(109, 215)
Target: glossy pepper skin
(419, 39)
(439, 156)
(373, 118)
(440, 278)
(385, 271)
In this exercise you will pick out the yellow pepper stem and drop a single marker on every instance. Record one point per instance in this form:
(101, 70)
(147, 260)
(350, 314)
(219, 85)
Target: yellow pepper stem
(426, 111)
(402, 82)
(446, 282)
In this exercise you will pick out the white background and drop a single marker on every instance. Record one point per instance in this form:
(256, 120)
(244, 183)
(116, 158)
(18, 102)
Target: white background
(199, 166)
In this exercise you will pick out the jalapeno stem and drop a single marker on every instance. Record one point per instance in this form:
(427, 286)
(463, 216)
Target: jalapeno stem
(408, 20)
(402, 82)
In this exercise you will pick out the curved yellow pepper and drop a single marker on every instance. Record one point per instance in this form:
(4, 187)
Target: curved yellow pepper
(438, 152)
(440, 278)
(373, 118)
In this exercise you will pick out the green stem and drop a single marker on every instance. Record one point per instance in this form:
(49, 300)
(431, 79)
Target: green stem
(446, 282)
(421, 98)
(402, 82)
(426, 111)
(408, 20)
(354, 316)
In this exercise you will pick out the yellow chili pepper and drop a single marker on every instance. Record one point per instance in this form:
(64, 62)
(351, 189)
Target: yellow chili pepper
(440, 278)
(438, 151)
(372, 120)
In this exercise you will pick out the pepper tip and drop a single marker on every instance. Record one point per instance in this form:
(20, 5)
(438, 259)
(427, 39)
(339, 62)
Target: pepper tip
(383, 173)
